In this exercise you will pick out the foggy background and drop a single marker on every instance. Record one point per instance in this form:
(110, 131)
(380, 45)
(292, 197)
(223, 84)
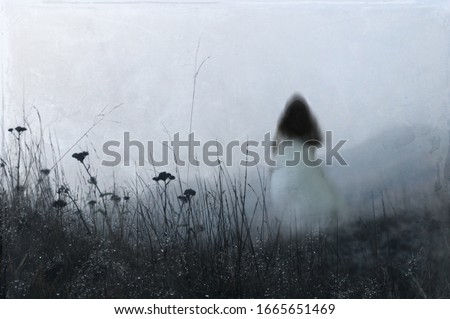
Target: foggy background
(375, 73)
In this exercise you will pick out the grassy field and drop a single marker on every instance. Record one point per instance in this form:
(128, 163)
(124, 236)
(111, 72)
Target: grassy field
(153, 238)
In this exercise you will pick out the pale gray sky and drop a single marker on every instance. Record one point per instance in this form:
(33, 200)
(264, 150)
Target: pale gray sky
(363, 65)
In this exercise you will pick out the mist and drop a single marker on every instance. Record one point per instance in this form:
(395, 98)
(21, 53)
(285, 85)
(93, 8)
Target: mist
(82, 74)
(364, 67)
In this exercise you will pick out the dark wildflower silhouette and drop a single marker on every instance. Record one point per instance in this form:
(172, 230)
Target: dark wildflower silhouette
(45, 171)
(92, 202)
(183, 198)
(59, 203)
(126, 198)
(63, 190)
(115, 198)
(80, 156)
(20, 129)
(164, 176)
(92, 180)
(188, 193)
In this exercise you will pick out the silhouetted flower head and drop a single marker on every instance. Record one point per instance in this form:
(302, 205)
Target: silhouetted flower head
(59, 203)
(45, 171)
(188, 193)
(126, 198)
(80, 156)
(20, 129)
(164, 176)
(63, 190)
(183, 198)
(92, 180)
(115, 198)
(92, 202)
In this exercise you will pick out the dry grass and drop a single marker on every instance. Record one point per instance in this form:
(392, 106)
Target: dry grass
(155, 239)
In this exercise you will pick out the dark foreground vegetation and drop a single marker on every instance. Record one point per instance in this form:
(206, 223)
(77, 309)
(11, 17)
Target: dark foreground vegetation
(156, 238)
